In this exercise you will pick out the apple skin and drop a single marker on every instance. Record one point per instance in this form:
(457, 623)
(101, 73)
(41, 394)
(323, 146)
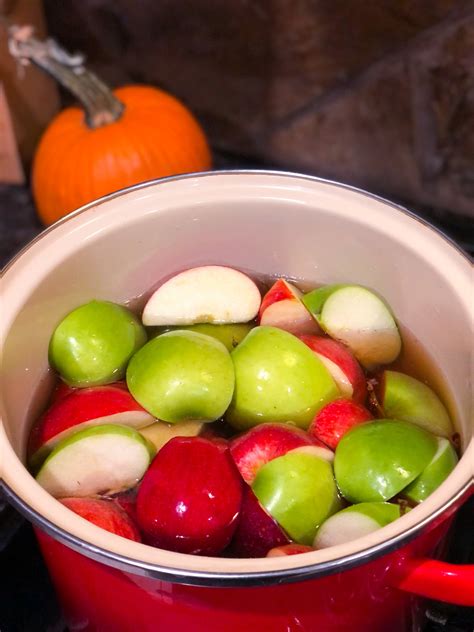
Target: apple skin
(263, 443)
(375, 460)
(299, 491)
(80, 408)
(335, 419)
(230, 335)
(105, 514)
(438, 469)
(277, 379)
(256, 532)
(404, 397)
(282, 307)
(354, 386)
(190, 497)
(93, 344)
(127, 501)
(181, 376)
(289, 549)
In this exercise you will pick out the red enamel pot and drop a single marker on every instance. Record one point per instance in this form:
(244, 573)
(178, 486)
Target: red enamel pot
(271, 223)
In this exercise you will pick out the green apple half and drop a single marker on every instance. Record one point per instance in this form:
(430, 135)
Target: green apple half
(359, 318)
(93, 344)
(374, 461)
(438, 469)
(354, 522)
(277, 379)
(182, 375)
(404, 397)
(97, 460)
(298, 490)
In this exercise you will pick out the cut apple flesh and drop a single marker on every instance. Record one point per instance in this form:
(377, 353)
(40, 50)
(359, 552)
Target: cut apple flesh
(96, 461)
(360, 319)
(160, 432)
(355, 522)
(316, 450)
(290, 315)
(208, 294)
(338, 375)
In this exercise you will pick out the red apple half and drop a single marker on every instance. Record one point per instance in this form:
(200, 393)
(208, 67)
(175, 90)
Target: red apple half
(105, 514)
(341, 364)
(81, 408)
(282, 307)
(263, 443)
(335, 419)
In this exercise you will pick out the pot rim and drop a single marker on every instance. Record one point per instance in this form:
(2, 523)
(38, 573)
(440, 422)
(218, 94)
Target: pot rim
(291, 571)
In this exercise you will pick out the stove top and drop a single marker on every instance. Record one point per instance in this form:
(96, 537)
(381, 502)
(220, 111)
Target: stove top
(27, 598)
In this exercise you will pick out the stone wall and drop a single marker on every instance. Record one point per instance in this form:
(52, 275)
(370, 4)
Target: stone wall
(377, 93)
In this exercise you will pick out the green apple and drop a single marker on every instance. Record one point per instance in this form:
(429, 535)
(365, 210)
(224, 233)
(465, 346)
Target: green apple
(182, 375)
(359, 318)
(441, 465)
(97, 460)
(354, 522)
(230, 335)
(404, 397)
(374, 461)
(277, 379)
(298, 490)
(93, 344)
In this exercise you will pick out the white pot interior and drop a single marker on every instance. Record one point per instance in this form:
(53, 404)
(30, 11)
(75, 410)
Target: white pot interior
(271, 224)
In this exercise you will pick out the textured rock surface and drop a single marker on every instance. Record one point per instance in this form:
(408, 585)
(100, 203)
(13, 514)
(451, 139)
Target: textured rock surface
(378, 94)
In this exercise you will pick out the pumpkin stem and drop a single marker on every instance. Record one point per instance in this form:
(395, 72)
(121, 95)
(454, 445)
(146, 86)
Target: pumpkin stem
(100, 105)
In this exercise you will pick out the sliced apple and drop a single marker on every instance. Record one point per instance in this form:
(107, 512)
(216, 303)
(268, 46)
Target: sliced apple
(354, 522)
(335, 419)
(208, 294)
(438, 469)
(298, 490)
(404, 397)
(374, 461)
(282, 307)
(82, 408)
(263, 443)
(360, 319)
(105, 514)
(341, 364)
(321, 451)
(160, 432)
(96, 461)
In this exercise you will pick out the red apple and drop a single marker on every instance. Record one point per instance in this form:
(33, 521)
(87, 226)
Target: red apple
(335, 419)
(127, 501)
(257, 532)
(289, 549)
(341, 364)
(190, 497)
(105, 514)
(282, 307)
(81, 408)
(61, 390)
(263, 443)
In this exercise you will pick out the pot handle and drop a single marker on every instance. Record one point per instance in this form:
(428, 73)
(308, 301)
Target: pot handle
(452, 583)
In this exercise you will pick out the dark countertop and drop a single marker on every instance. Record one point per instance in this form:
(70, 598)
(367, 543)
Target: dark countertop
(27, 600)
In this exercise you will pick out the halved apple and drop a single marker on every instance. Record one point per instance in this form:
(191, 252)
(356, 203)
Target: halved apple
(282, 307)
(96, 461)
(82, 408)
(438, 469)
(207, 294)
(159, 433)
(404, 397)
(354, 522)
(375, 460)
(360, 319)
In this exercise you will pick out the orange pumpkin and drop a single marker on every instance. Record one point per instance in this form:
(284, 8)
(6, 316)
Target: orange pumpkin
(120, 138)
(155, 136)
